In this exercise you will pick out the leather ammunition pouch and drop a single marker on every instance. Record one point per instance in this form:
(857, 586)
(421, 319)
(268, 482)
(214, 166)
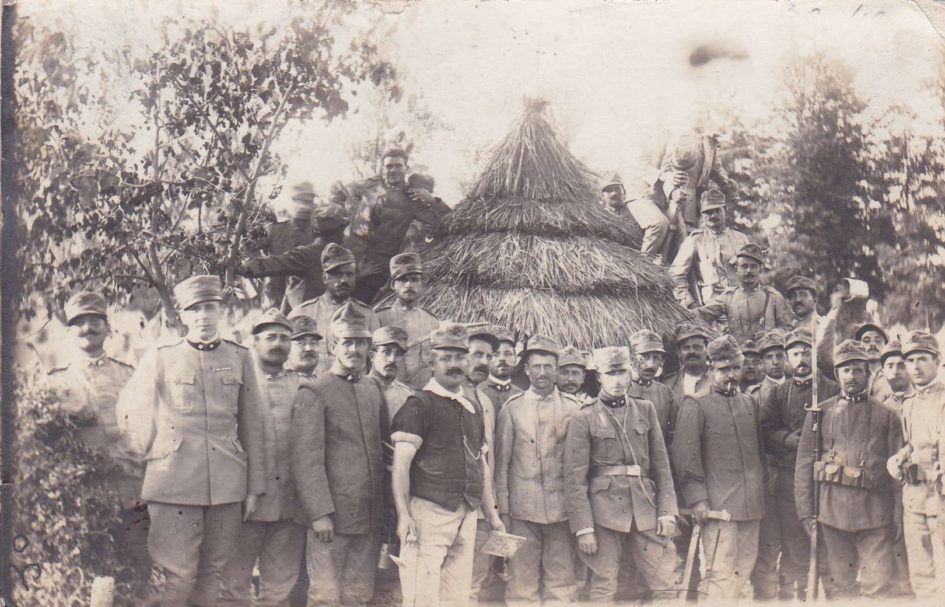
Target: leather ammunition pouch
(848, 476)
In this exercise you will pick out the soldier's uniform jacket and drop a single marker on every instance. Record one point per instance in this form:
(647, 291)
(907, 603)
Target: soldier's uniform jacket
(717, 454)
(749, 312)
(418, 323)
(676, 383)
(303, 266)
(783, 413)
(499, 393)
(282, 237)
(856, 491)
(88, 390)
(663, 399)
(336, 453)
(923, 424)
(703, 265)
(280, 501)
(322, 308)
(529, 455)
(194, 410)
(707, 167)
(595, 446)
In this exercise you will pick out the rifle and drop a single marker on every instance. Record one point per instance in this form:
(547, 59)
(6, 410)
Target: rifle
(815, 411)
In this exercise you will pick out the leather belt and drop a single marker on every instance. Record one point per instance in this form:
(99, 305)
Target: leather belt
(631, 470)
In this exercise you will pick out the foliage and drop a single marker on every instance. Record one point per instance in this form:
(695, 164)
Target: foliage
(65, 509)
(150, 166)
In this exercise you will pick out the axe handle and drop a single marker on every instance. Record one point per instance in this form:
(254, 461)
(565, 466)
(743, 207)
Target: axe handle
(715, 515)
(691, 558)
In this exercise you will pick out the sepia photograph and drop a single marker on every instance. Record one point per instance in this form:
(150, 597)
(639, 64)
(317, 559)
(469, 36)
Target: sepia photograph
(443, 302)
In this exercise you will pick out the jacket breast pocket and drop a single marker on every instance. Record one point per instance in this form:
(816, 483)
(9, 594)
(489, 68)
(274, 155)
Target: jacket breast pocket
(184, 391)
(230, 386)
(605, 445)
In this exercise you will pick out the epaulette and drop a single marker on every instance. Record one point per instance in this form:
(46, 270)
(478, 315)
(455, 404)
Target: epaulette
(358, 301)
(305, 303)
(171, 344)
(235, 343)
(513, 397)
(121, 363)
(696, 231)
(55, 370)
(429, 312)
(382, 306)
(588, 404)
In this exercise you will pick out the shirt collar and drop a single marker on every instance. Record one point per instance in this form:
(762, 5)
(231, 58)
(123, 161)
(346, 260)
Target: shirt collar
(98, 361)
(205, 346)
(776, 381)
(501, 385)
(549, 396)
(926, 387)
(854, 398)
(345, 374)
(436, 388)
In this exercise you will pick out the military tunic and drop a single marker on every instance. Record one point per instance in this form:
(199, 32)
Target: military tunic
(418, 323)
(749, 312)
(707, 166)
(322, 308)
(499, 392)
(663, 399)
(282, 237)
(302, 265)
(703, 265)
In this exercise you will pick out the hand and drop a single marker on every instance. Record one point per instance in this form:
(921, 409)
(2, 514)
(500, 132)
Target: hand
(836, 299)
(420, 195)
(406, 529)
(700, 512)
(894, 467)
(324, 529)
(808, 525)
(792, 440)
(587, 543)
(495, 521)
(249, 505)
(680, 179)
(666, 527)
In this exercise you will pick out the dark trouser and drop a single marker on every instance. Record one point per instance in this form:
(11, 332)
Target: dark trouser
(132, 538)
(795, 543)
(279, 546)
(866, 554)
(192, 545)
(764, 577)
(655, 556)
(486, 584)
(544, 562)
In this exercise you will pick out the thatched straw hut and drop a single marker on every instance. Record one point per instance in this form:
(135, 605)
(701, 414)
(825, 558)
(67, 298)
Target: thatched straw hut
(532, 249)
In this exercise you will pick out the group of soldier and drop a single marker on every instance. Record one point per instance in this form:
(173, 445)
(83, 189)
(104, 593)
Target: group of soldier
(346, 438)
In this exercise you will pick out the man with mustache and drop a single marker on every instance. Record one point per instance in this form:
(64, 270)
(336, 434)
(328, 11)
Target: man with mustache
(618, 486)
(572, 369)
(918, 465)
(270, 534)
(406, 279)
(441, 478)
(482, 346)
(750, 307)
(718, 460)
(194, 407)
(529, 476)
(752, 368)
(338, 265)
(88, 387)
(782, 417)
(874, 339)
(337, 464)
(693, 378)
(895, 373)
(646, 361)
(643, 210)
(305, 344)
(498, 386)
(859, 511)
(702, 267)
(801, 293)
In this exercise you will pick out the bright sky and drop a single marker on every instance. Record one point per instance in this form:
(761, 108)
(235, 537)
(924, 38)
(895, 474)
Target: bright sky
(616, 73)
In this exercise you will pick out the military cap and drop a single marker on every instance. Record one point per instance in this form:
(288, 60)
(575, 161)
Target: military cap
(770, 340)
(610, 179)
(302, 325)
(450, 336)
(920, 341)
(197, 289)
(483, 331)
(390, 335)
(893, 348)
(711, 199)
(723, 349)
(334, 256)
(349, 322)
(303, 200)
(685, 331)
(869, 326)
(646, 341)
(611, 358)
(572, 356)
(404, 264)
(329, 217)
(271, 316)
(849, 350)
(503, 335)
(751, 251)
(750, 346)
(85, 302)
(419, 180)
(395, 152)
(798, 336)
(801, 282)
(540, 343)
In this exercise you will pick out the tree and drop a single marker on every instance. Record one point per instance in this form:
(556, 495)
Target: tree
(150, 166)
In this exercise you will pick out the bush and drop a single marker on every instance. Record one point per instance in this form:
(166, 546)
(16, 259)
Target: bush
(65, 512)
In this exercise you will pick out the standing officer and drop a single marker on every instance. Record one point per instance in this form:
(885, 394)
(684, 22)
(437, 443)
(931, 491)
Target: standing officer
(572, 370)
(305, 345)
(718, 460)
(194, 408)
(336, 454)
(703, 268)
(619, 489)
(498, 386)
(919, 465)
(529, 480)
(750, 307)
(338, 267)
(270, 533)
(782, 417)
(858, 513)
(693, 378)
(647, 356)
(406, 279)
(88, 388)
